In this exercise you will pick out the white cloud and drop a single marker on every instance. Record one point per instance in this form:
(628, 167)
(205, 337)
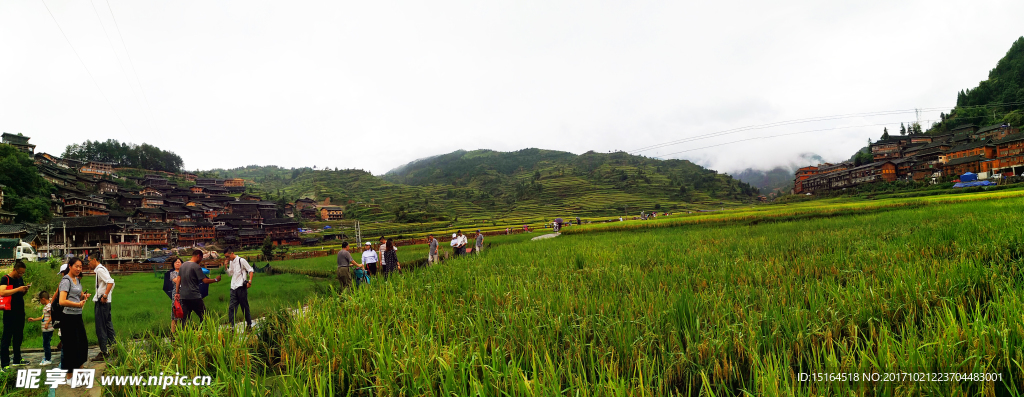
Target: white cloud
(373, 85)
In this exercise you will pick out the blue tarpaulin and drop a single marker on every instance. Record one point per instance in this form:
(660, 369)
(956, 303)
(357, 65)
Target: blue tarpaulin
(974, 184)
(970, 176)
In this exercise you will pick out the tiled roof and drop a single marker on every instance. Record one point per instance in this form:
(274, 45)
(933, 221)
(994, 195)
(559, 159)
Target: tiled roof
(12, 229)
(972, 145)
(150, 226)
(965, 160)
(279, 221)
(1010, 138)
(82, 221)
(989, 128)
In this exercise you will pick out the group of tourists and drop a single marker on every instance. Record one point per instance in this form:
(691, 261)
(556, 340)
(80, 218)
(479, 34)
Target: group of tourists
(383, 259)
(187, 283)
(63, 312)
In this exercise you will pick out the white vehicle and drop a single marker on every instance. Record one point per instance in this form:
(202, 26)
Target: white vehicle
(25, 252)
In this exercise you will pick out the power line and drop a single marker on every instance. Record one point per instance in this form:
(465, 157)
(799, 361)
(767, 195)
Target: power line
(768, 125)
(119, 64)
(86, 68)
(132, 63)
(805, 120)
(776, 136)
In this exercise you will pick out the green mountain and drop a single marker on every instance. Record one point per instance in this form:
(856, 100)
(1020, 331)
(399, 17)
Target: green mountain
(999, 99)
(523, 184)
(779, 179)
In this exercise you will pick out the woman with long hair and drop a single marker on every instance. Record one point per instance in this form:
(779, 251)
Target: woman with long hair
(391, 257)
(73, 299)
(176, 279)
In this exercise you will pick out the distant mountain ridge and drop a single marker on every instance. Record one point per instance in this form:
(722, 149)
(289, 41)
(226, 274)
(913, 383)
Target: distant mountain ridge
(523, 183)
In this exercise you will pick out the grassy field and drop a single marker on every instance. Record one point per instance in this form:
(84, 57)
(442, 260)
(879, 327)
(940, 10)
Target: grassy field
(712, 308)
(406, 254)
(140, 306)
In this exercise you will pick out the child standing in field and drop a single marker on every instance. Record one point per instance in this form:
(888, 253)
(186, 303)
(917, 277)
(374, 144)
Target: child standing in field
(43, 298)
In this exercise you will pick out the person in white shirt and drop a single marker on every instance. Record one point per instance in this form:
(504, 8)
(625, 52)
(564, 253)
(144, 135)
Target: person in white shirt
(462, 242)
(455, 244)
(370, 259)
(101, 310)
(238, 268)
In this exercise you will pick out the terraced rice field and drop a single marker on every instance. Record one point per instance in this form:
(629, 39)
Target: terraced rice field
(705, 308)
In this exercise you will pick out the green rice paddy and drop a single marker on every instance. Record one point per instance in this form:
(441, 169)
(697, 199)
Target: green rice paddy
(705, 309)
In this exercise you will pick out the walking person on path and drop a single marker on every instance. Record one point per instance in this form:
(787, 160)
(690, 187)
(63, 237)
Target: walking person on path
(391, 256)
(101, 306)
(46, 324)
(370, 259)
(479, 245)
(188, 292)
(238, 268)
(14, 318)
(175, 277)
(73, 298)
(345, 264)
(432, 254)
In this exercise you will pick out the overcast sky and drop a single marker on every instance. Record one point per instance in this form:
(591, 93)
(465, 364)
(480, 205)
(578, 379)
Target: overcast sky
(373, 85)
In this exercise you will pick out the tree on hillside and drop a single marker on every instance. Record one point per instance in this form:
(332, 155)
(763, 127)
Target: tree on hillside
(903, 130)
(143, 156)
(916, 129)
(885, 134)
(268, 249)
(26, 193)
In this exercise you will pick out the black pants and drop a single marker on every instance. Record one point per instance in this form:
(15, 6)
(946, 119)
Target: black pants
(189, 306)
(76, 342)
(104, 325)
(239, 297)
(372, 268)
(14, 331)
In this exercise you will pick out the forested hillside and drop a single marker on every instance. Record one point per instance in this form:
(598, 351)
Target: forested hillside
(1004, 86)
(490, 184)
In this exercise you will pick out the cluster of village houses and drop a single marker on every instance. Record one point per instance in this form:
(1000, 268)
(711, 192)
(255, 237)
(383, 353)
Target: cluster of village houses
(990, 152)
(90, 209)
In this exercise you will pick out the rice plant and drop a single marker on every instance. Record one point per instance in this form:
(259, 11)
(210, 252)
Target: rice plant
(735, 309)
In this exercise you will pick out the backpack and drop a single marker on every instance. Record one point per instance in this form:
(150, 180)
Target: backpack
(56, 310)
(5, 301)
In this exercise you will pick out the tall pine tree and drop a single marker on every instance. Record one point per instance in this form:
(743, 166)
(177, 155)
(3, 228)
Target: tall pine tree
(903, 130)
(885, 134)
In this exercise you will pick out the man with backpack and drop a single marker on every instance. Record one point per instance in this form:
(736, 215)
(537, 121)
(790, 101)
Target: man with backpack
(189, 293)
(13, 290)
(101, 309)
(238, 268)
